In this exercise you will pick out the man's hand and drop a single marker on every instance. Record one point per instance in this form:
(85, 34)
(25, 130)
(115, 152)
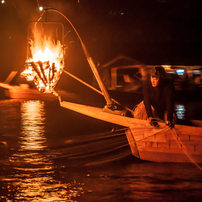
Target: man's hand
(153, 122)
(149, 119)
(168, 123)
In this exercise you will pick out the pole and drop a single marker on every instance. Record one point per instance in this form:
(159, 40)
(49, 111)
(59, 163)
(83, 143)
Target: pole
(89, 59)
(97, 75)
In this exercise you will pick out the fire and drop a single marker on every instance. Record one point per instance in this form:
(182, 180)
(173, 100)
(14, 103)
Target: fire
(44, 65)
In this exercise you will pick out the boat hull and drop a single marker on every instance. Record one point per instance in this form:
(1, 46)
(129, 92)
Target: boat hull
(169, 157)
(183, 144)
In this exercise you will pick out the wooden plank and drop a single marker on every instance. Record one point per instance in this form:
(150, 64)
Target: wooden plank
(189, 130)
(5, 85)
(132, 143)
(192, 147)
(99, 113)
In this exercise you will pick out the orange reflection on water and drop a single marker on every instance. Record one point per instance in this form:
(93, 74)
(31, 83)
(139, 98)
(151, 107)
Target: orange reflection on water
(33, 170)
(33, 126)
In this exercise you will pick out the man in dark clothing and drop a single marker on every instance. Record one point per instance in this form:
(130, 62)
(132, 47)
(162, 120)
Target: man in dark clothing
(159, 94)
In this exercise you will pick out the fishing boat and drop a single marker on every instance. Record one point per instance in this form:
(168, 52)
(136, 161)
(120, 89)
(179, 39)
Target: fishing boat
(23, 91)
(181, 144)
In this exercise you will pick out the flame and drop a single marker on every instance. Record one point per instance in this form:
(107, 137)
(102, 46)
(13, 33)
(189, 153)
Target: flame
(45, 63)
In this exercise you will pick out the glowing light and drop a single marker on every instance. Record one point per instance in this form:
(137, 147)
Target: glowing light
(2, 1)
(180, 111)
(180, 71)
(166, 67)
(196, 71)
(41, 8)
(45, 65)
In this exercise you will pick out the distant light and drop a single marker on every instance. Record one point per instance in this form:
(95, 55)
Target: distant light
(180, 71)
(166, 66)
(41, 8)
(2, 1)
(197, 71)
(122, 13)
(180, 111)
(169, 72)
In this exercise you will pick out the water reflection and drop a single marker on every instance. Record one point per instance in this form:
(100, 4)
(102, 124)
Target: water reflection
(180, 111)
(33, 123)
(33, 170)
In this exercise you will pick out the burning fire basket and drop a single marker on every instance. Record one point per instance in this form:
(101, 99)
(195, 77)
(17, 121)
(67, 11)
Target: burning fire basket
(45, 55)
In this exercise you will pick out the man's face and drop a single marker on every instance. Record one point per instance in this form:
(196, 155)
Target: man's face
(154, 81)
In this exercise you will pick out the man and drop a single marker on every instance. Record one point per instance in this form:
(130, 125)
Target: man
(159, 94)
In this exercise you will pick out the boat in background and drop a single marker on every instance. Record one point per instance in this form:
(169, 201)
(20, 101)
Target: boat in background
(126, 75)
(23, 91)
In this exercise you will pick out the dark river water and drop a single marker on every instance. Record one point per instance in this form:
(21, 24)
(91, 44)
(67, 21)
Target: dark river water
(49, 153)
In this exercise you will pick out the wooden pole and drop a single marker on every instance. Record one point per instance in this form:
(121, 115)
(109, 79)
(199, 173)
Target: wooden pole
(89, 59)
(97, 75)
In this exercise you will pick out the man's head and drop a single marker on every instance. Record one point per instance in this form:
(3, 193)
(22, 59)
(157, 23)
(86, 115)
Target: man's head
(154, 81)
(157, 74)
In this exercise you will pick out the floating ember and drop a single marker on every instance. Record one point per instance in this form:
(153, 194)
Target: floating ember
(45, 64)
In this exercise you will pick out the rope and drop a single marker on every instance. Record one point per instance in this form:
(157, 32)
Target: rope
(93, 88)
(83, 82)
(164, 129)
(184, 148)
(179, 141)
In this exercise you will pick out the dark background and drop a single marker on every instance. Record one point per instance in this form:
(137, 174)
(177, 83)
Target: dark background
(150, 31)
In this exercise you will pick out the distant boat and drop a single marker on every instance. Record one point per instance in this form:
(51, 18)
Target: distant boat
(20, 91)
(128, 78)
(23, 91)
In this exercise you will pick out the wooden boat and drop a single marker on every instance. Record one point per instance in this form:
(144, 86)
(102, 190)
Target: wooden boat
(183, 144)
(163, 144)
(23, 91)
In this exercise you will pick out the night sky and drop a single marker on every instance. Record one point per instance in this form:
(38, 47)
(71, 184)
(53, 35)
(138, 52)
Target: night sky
(151, 31)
